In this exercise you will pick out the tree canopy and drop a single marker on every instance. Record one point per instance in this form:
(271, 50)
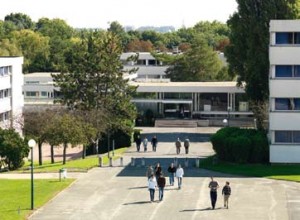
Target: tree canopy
(247, 53)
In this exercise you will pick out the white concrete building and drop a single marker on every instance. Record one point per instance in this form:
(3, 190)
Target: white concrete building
(284, 120)
(11, 97)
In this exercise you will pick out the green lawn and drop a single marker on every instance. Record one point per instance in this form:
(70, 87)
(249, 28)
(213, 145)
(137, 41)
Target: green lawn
(15, 202)
(79, 165)
(279, 172)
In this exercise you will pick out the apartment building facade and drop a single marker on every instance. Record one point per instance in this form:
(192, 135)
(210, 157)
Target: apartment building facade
(284, 85)
(11, 97)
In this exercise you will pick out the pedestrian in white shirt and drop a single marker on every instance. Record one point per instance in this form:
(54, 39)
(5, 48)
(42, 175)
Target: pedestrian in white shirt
(179, 174)
(152, 183)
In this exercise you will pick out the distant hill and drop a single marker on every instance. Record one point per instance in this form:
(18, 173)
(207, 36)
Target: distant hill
(161, 29)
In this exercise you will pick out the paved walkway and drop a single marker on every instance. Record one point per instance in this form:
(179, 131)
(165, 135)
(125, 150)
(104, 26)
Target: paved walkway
(121, 192)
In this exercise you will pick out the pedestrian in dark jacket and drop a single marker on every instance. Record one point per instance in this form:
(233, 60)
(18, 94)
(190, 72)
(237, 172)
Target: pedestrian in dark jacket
(161, 182)
(138, 142)
(186, 145)
(154, 143)
(178, 145)
(171, 171)
(213, 185)
(226, 192)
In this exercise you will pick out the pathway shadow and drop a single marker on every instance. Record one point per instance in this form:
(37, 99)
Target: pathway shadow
(139, 187)
(137, 203)
(199, 210)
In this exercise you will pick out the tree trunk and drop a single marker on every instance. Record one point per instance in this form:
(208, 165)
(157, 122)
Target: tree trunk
(52, 153)
(40, 153)
(64, 153)
(259, 109)
(83, 151)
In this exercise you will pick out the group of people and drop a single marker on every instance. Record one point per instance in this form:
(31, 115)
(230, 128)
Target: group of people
(226, 191)
(186, 145)
(138, 142)
(156, 179)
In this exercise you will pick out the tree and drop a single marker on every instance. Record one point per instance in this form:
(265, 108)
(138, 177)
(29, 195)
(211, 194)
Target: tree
(139, 46)
(12, 148)
(21, 21)
(92, 79)
(34, 47)
(67, 130)
(247, 53)
(36, 126)
(199, 63)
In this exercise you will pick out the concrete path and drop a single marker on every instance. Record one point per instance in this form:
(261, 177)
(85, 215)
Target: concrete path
(121, 193)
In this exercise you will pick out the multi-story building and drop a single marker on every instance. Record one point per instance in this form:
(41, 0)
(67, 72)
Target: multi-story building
(284, 83)
(11, 97)
(166, 99)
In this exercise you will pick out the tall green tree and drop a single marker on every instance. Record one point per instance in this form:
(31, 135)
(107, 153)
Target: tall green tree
(199, 63)
(247, 53)
(92, 79)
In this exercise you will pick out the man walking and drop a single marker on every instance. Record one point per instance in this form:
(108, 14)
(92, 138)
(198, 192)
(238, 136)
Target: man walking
(138, 142)
(171, 171)
(186, 145)
(151, 186)
(178, 146)
(161, 182)
(213, 185)
(154, 143)
(179, 175)
(226, 191)
(145, 144)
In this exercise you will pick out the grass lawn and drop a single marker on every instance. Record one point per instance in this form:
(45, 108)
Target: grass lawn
(79, 165)
(279, 172)
(15, 202)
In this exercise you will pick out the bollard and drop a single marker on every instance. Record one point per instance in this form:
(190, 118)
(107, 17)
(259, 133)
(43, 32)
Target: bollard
(121, 161)
(62, 173)
(132, 162)
(186, 162)
(100, 161)
(143, 161)
(110, 162)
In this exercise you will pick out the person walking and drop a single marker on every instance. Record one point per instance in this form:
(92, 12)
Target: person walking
(138, 142)
(226, 192)
(186, 145)
(152, 186)
(157, 170)
(161, 182)
(149, 172)
(154, 143)
(213, 185)
(178, 145)
(145, 144)
(171, 171)
(179, 175)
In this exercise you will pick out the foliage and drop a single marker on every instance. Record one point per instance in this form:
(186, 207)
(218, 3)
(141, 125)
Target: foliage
(199, 63)
(247, 53)
(21, 21)
(15, 196)
(92, 78)
(241, 145)
(13, 149)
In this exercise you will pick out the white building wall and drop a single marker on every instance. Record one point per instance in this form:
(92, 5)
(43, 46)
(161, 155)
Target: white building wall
(14, 103)
(287, 88)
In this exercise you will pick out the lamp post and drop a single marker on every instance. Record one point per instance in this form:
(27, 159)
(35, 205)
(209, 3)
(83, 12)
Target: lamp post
(228, 115)
(31, 144)
(225, 122)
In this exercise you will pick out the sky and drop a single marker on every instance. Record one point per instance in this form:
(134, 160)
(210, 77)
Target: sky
(136, 13)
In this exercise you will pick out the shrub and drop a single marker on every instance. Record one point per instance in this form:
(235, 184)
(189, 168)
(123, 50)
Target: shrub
(241, 145)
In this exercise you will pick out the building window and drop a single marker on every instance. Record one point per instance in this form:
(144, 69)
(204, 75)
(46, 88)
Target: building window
(32, 94)
(44, 94)
(287, 136)
(32, 82)
(287, 71)
(287, 103)
(4, 116)
(5, 70)
(288, 38)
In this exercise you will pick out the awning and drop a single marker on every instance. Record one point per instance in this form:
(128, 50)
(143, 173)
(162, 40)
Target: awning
(164, 101)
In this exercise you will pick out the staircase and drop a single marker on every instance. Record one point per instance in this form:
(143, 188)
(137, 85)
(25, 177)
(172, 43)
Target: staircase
(176, 123)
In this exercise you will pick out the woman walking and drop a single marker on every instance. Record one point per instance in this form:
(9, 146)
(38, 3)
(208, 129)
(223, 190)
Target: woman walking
(151, 186)
(179, 175)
